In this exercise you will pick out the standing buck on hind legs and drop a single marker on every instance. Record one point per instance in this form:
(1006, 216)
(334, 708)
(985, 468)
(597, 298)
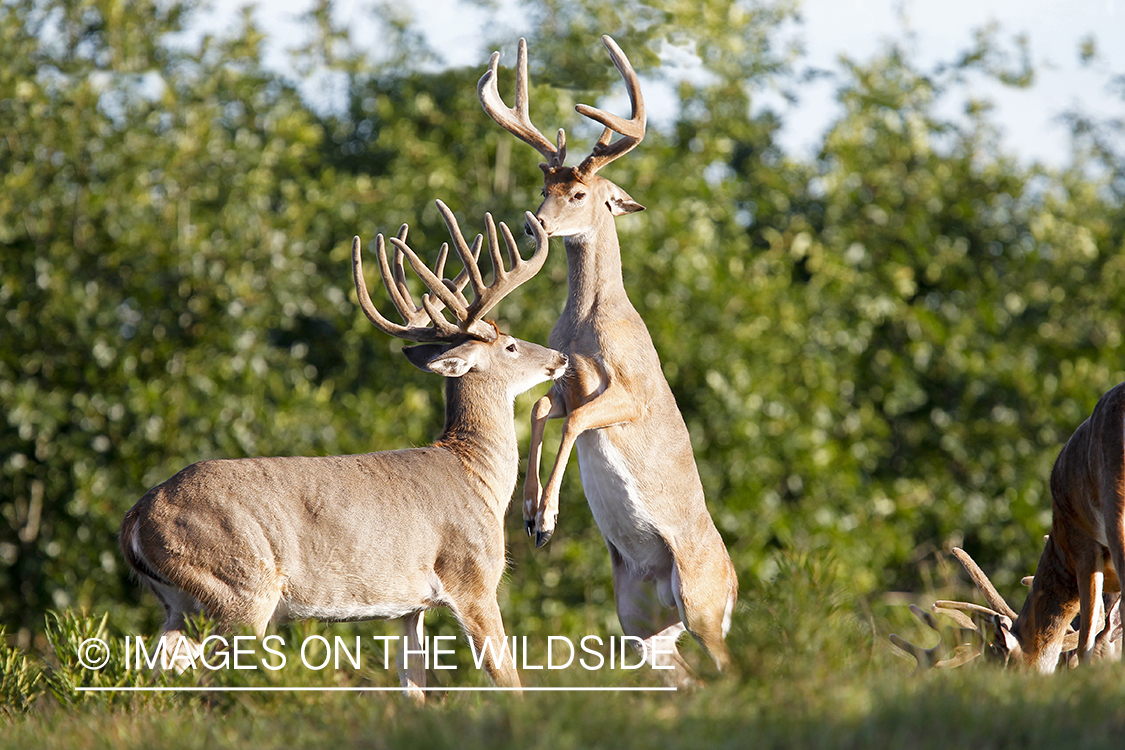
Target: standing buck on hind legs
(379, 535)
(671, 570)
(1082, 561)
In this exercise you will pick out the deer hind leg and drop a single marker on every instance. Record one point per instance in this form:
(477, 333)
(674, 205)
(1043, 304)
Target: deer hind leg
(249, 601)
(1107, 646)
(705, 596)
(179, 652)
(412, 658)
(231, 606)
(656, 623)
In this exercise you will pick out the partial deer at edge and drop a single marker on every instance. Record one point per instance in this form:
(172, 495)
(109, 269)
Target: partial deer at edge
(1083, 558)
(671, 569)
(378, 535)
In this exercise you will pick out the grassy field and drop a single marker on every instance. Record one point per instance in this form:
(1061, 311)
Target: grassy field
(814, 669)
(886, 707)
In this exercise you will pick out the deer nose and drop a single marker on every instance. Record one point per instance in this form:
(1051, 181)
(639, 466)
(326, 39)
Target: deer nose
(560, 367)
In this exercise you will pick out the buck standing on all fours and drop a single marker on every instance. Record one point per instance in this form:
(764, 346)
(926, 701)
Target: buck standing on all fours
(378, 535)
(671, 569)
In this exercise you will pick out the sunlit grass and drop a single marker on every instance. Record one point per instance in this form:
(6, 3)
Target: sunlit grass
(884, 707)
(813, 669)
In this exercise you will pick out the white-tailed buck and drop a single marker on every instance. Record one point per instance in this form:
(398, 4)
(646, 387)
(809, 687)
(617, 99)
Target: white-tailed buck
(670, 567)
(1083, 559)
(378, 535)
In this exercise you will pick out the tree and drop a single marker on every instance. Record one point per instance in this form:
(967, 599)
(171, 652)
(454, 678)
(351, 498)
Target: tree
(876, 351)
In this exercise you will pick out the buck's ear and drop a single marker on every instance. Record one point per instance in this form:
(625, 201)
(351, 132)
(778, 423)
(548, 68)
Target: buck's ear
(620, 203)
(450, 366)
(422, 355)
(438, 358)
(1004, 643)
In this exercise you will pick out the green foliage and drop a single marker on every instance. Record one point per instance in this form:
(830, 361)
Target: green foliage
(77, 643)
(175, 288)
(20, 680)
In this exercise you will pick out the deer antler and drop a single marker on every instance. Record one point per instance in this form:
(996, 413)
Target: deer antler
(991, 595)
(632, 130)
(443, 292)
(516, 120)
(999, 607)
(994, 625)
(503, 282)
(416, 319)
(929, 658)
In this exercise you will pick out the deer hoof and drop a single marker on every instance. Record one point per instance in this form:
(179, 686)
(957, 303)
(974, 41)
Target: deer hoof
(530, 526)
(542, 537)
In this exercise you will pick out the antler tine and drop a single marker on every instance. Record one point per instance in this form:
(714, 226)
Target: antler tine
(631, 130)
(504, 281)
(965, 607)
(400, 292)
(469, 255)
(439, 289)
(516, 120)
(928, 658)
(991, 595)
(415, 328)
(394, 277)
(959, 617)
(439, 265)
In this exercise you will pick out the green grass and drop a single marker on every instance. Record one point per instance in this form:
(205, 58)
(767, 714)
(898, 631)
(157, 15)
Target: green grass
(978, 708)
(813, 669)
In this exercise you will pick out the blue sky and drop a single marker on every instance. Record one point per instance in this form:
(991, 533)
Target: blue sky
(934, 29)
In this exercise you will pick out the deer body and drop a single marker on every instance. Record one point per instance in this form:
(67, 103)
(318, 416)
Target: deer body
(314, 532)
(1083, 560)
(377, 535)
(671, 569)
(1085, 553)
(634, 451)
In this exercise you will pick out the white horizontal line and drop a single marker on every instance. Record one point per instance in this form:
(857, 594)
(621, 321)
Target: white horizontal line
(196, 689)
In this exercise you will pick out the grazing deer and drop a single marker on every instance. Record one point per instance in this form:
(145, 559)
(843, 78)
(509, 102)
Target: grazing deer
(968, 638)
(671, 570)
(378, 535)
(1083, 558)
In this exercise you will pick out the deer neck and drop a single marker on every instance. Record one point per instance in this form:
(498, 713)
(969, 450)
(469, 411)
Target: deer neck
(593, 261)
(479, 430)
(1049, 609)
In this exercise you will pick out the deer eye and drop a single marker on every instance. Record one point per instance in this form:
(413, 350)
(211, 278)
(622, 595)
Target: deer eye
(511, 348)
(579, 196)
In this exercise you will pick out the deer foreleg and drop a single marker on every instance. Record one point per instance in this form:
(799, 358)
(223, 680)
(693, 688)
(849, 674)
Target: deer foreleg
(412, 658)
(485, 630)
(548, 407)
(613, 405)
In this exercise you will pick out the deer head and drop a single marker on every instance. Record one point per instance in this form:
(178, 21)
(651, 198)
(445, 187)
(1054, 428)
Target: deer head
(453, 349)
(1039, 637)
(576, 199)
